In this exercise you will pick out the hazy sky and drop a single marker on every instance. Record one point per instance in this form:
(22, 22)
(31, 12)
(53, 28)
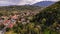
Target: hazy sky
(20, 2)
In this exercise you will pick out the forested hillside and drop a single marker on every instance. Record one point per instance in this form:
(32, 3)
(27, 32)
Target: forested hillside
(49, 18)
(51, 14)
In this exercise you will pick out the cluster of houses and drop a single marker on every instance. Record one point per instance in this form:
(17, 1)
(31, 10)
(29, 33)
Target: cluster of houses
(22, 17)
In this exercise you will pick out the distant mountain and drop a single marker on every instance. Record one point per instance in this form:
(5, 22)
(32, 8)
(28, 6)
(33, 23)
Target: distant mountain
(44, 3)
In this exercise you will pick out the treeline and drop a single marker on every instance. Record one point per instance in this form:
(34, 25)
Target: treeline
(7, 10)
(18, 8)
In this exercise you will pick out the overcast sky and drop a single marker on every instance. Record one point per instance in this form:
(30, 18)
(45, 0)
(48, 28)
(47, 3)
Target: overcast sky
(20, 2)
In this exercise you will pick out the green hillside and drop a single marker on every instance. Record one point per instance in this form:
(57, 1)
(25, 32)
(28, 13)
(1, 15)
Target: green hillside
(49, 18)
(50, 13)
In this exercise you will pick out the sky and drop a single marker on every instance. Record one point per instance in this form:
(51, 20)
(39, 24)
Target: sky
(20, 2)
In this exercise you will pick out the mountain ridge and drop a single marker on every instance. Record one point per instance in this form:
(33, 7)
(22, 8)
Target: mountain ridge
(44, 3)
